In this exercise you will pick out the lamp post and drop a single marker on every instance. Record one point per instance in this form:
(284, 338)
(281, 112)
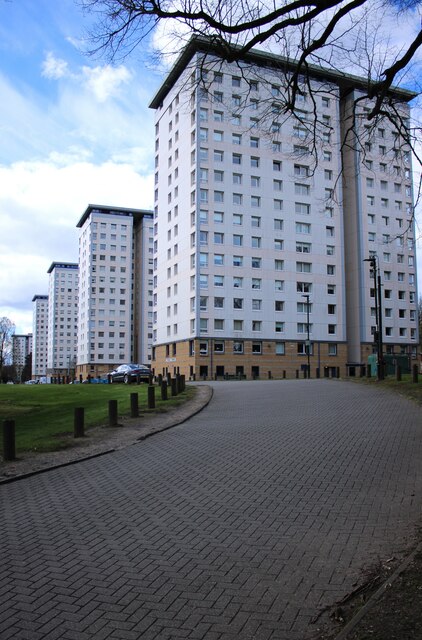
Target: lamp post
(378, 315)
(308, 342)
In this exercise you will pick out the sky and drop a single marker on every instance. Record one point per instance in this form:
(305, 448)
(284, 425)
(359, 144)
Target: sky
(74, 130)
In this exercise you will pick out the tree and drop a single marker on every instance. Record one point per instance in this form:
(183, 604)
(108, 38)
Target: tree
(7, 330)
(336, 34)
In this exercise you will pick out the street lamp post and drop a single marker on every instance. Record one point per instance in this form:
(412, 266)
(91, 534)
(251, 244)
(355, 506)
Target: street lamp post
(308, 342)
(378, 315)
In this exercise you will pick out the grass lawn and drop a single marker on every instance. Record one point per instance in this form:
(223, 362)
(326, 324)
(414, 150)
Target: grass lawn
(44, 412)
(405, 387)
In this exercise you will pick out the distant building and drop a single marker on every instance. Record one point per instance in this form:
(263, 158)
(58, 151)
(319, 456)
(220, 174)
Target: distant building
(21, 349)
(40, 336)
(62, 329)
(115, 288)
(258, 250)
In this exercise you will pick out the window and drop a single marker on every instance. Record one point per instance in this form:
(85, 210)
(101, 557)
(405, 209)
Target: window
(256, 326)
(280, 348)
(301, 170)
(218, 303)
(237, 218)
(302, 208)
(255, 221)
(237, 344)
(218, 237)
(219, 324)
(255, 201)
(255, 242)
(278, 224)
(218, 155)
(218, 281)
(236, 138)
(303, 227)
(254, 162)
(303, 247)
(254, 142)
(218, 217)
(236, 158)
(237, 282)
(255, 181)
(277, 165)
(237, 240)
(279, 305)
(219, 259)
(303, 267)
(238, 261)
(301, 189)
(237, 303)
(279, 327)
(256, 263)
(278, 245)
(237, 198)
(256, 283)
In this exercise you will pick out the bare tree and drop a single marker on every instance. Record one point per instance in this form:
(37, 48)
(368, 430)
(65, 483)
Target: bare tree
(7, 330)
(337, 34)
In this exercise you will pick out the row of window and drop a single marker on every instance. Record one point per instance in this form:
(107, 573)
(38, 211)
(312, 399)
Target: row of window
(219, 324)
(256, 305)
(238, 347)
(218, 280)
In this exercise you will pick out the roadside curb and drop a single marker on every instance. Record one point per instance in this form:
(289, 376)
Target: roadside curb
(183, 414)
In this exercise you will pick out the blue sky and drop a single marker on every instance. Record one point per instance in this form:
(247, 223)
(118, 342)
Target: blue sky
(74, 130)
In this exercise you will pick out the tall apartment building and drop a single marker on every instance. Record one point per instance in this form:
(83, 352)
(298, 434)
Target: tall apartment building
(40, 336)
(21, 349)
(62, 318)
(115, 291)
(258, 248)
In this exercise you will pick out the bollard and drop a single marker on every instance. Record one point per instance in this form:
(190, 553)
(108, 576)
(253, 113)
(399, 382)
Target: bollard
(269, 375)
(398, 373)
(134, 407)
(164, 390)
(297, 374)
(318, 372)
(9, 440)
(160, 379)
(368, 371)
(79, 422)
(173, 387)
(415, 373)
(183, 381)
(284, 374)
(112, 413)
(179, 383)
(151, 396)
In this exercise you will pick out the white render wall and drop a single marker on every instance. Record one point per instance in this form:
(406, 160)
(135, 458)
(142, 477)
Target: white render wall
(182, 193)
(380, 222)
(39, 333)
(105, 307)
(62, 316)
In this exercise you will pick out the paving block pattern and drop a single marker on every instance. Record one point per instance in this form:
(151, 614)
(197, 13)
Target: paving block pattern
(241, 523)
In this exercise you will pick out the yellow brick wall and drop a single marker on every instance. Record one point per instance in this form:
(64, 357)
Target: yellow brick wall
(267, 361)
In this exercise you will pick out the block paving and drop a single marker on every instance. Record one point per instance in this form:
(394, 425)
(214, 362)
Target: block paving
(244, 522)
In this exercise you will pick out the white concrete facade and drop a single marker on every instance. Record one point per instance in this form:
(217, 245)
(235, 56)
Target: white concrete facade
(40, 336)
(247, 224)
(113, 258)
(62, 318)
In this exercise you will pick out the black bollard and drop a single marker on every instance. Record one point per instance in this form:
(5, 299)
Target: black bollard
(134, 407)
(398, 373)
(79, 422)
(415, 373)
(9, 440)
(174, 387)
(151, 396)
(164, 390)
(112, 413)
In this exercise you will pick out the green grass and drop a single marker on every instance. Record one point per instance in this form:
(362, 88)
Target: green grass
(43, 413)
(405, 387)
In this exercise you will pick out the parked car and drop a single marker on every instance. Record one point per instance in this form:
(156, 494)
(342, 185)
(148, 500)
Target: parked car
(31, 382)
(129, 373)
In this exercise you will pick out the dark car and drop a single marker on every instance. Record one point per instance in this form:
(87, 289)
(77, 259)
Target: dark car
(130, 373)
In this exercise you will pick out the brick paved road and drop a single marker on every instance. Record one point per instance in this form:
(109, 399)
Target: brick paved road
(241, 523)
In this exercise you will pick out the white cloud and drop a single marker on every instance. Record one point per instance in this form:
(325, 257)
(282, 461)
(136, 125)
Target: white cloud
(40, 205)
(54, 68)
(105, 82)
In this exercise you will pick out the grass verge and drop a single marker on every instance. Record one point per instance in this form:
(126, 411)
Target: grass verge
(407, 388)
(43, 413)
